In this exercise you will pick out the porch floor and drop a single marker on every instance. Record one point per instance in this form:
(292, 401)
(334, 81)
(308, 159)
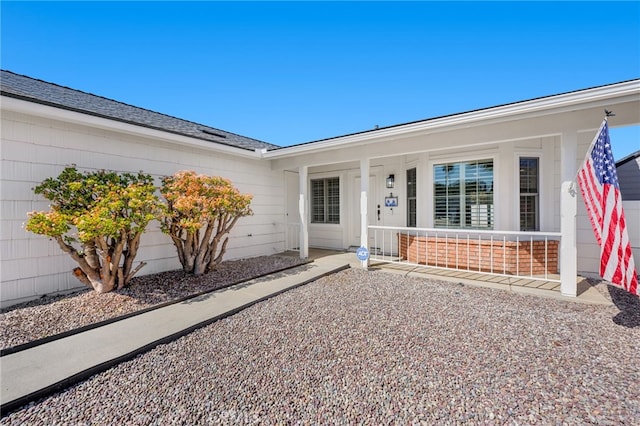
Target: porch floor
(539, 287)
(585, 294)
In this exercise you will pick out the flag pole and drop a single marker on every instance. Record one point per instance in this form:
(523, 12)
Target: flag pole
(607, 114)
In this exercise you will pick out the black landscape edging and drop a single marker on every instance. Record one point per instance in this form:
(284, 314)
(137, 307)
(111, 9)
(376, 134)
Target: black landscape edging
(32, 344)
(10, 406)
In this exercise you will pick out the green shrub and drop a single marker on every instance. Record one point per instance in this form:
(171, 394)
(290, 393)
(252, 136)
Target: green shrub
(97, 218)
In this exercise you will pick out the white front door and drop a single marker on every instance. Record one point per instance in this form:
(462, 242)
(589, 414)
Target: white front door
(374, 209)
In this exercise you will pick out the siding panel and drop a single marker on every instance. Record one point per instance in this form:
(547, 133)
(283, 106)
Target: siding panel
(32, 265)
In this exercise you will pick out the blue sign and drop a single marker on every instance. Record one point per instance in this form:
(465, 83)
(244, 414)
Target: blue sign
(362, 253)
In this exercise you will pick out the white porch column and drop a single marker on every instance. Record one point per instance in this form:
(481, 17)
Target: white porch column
(302, 203)
(364, 217)
(568, 209)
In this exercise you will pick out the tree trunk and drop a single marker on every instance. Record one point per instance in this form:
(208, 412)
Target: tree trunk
(85, 273)
(189, 252)
(215, 260)
(101, 279)
(199, 268)
(129, 254)
(103, 286)
(176, 236)
(202, 250)
(203, 254)
(91, 255)
(224, 227)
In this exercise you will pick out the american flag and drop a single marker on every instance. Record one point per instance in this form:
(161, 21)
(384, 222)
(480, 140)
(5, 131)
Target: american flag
(598, 182)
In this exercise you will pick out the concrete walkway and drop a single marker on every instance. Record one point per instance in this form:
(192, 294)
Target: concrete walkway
(41, 370)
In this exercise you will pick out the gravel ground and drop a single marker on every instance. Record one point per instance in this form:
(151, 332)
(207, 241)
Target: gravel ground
(55, 314)
(363, 347)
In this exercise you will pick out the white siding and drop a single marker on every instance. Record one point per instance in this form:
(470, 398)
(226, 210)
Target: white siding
(588, 249)
(33, 149)
(326, 236)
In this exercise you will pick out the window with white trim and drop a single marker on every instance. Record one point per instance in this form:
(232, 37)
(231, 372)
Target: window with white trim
(463, 194)
(325, 200)
(412, 202)
(529, 193)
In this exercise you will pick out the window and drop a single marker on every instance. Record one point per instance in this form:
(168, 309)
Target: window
(325, 200)
(529, 184)
(463, 195)
(411, 197)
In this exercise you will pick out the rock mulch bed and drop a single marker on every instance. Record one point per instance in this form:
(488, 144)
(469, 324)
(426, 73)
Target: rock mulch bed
(376, 348)
(56, 314)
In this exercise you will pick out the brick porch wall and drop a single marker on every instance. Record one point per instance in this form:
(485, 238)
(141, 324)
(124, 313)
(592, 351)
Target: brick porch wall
(509, 257)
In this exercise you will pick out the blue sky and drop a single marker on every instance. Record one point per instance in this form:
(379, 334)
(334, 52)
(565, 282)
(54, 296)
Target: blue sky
(294, 72)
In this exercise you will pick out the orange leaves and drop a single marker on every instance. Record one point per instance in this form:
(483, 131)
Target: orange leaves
(194, 199)
(200, 209)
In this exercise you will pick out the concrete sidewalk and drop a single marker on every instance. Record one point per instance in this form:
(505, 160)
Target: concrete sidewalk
(38, 371)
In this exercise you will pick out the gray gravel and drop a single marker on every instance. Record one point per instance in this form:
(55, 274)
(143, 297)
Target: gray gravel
(56, 314)
(376, 348)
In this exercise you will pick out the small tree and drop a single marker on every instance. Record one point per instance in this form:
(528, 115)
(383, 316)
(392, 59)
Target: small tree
(97, 218)
(200, 212)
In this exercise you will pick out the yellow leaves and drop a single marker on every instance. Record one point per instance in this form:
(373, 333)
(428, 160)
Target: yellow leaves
(52, 223)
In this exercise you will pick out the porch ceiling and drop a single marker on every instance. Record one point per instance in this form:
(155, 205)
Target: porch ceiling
(576, 112)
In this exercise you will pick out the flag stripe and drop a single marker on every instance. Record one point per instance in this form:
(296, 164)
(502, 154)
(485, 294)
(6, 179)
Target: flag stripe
(611, 248)
(589, 194)
(598, 182)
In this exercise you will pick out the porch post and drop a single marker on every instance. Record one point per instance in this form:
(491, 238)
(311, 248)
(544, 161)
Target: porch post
(568, 209)
(364, 217)
(302, 203)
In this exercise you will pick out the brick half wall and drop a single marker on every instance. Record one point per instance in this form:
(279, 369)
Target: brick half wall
(508, 257)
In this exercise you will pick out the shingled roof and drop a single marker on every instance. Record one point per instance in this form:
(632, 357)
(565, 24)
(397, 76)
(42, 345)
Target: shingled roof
(34, 90)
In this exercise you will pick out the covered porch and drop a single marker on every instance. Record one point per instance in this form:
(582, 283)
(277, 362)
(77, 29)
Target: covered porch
(489, 192)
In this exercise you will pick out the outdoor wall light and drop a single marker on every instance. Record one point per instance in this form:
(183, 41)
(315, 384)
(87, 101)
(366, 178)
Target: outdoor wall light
(391, 180)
